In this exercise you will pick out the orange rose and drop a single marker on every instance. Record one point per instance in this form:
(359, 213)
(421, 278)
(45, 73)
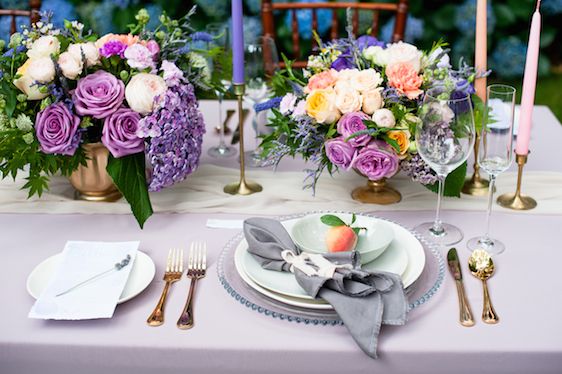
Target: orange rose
(402, 137)
(320, 81)
(403, 77)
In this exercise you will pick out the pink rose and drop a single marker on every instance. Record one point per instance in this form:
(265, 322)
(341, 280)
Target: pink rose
(405, 79)
(321, 81)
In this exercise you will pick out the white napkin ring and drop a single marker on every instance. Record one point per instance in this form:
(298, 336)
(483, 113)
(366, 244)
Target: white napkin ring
(324, 267)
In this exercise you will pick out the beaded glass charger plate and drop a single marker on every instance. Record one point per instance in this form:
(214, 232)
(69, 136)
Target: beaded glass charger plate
(242, 288)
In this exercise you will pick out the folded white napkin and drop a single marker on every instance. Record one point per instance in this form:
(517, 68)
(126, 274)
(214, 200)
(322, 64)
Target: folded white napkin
(95, 299)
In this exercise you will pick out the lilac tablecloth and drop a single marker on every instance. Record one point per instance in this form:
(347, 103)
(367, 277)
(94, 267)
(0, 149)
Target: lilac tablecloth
(229, 338)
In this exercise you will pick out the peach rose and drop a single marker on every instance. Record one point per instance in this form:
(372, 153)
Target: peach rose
(372, 101)
(320, 81)
(405, 79)
(402, 137)
(348, 100)
(321, 105)
(126, 39)
(366, 80)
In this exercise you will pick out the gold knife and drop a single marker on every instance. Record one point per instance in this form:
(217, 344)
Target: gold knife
(465, 314)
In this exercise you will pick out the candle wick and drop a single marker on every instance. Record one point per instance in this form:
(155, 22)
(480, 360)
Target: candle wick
(538, 5)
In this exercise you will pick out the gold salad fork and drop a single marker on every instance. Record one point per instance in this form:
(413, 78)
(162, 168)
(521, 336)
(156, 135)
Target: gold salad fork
(196, 270)
(173, 273)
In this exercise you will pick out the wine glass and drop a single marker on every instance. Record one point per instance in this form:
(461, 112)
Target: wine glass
(444, 139)
(220, 32)
(261, 62)
(496, 152)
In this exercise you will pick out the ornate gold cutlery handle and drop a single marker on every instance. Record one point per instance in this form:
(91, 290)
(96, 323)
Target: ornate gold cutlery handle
(157, 316)
(488, 313)
(465, 314)
(186, 318)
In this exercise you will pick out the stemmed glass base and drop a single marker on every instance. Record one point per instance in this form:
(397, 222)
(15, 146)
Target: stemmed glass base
(222, 151)
(449, 234)
(253, 159)
(492, 246)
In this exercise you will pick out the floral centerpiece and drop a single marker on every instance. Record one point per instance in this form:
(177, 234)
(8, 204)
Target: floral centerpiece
(65, 89)
(355, 107)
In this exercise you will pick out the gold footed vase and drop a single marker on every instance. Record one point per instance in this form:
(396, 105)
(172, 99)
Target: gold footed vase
(376, 192)
(92, 182)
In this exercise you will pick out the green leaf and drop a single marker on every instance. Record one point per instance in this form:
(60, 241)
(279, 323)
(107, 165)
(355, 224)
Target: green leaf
(353, 218)
(10, 97)
(128, 174)
(453, 182)
(331, 220)
(356, 230)
(393, 143)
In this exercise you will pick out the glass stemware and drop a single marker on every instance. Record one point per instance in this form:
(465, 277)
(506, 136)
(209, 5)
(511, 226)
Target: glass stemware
(496, 152)
(444, 139)
(261, 62)
(220, 33)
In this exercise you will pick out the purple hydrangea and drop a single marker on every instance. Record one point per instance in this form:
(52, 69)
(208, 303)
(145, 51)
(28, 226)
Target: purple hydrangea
(418, 170)
(174, 134)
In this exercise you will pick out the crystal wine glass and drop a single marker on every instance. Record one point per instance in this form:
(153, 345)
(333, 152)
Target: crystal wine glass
(497, 152)
(220, 32)
(444, 139)
(261, 62)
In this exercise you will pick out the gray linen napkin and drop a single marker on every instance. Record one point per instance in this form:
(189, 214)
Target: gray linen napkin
(363, 300)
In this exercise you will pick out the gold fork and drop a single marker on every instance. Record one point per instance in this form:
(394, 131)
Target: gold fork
(196, 270)
(174, 271)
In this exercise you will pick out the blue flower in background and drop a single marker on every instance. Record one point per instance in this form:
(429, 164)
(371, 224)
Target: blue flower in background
(61, 10)
(5, 24)
(414, 29)
(124, 4)
(102, 17)
(463, 48)
(508, 58)
(154, 11)
(304, 19)
(214, 8)
(465, 17)
(254, 6)
(552, 6)
(13, 4)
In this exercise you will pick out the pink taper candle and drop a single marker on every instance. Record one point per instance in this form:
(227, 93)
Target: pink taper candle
(481, 47)
(529, 85)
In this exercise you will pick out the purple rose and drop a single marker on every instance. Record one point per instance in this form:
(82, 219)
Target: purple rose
(351, 123)
(98, 95)
(376, 161)
(366, 41)
(119, 133)
(340, 152)
(57, 130)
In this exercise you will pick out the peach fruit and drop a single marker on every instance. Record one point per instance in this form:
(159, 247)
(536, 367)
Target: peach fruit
(340, 239)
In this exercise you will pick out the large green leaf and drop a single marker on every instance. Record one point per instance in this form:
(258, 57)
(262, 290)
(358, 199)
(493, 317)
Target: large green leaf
(453, 182)
(128, 174)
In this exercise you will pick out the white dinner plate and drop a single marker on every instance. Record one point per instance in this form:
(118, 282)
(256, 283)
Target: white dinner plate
(409, 265)
(141, 275)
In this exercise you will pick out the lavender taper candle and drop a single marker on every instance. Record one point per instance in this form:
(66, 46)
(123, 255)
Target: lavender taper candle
(237, 42)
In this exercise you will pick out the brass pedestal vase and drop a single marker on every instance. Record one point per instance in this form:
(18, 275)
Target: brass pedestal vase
(376, 192)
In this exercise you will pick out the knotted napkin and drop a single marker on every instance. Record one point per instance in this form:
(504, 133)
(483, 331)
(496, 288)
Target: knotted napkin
(363, 300)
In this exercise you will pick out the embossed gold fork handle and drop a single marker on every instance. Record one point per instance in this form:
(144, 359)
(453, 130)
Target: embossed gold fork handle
(157, 316)
(186, 318)
(465, 314)
(488, 313)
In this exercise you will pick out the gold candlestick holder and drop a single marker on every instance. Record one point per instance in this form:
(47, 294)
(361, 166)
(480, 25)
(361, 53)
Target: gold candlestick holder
(242, 187)
(515, 200)
(476, 185)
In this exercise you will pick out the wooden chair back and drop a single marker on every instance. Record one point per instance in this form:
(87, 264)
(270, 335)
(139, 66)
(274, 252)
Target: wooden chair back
(400, 8)
(32, 13)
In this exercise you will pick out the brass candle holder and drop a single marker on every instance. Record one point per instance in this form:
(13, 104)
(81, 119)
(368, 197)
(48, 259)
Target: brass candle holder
(242, 187)
(515, 200)
(476, 185)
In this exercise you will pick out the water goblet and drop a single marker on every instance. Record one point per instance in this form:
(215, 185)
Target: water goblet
(496, 152)
(444, 138)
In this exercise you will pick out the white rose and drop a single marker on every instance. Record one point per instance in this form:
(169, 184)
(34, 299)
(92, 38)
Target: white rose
(142, 90)
(348, 101)
(70, 66)
(346, 75)
(366, 80)
(91, 53)
(372, 101)
(41, 69)
(45, 46)
(376, 54)
(384, 118)
(343, 85)
(27, 85)
(404, 52)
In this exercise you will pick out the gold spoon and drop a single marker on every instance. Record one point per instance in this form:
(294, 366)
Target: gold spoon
(482, 267)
